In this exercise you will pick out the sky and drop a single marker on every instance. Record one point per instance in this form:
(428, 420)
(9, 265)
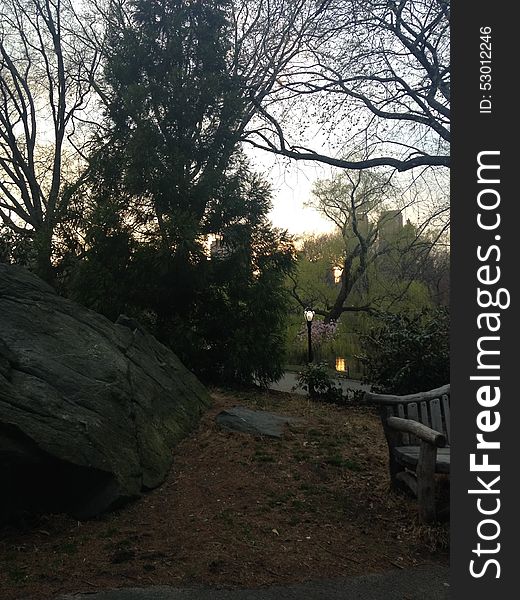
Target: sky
(292, 183)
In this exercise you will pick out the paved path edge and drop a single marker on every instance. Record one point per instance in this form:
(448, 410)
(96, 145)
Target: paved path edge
(427, 582)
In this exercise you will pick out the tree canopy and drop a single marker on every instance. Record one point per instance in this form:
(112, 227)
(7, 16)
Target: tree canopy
(167, 178)
(375, 79)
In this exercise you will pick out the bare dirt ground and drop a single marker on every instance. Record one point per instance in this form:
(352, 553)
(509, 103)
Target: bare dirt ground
(238, 511)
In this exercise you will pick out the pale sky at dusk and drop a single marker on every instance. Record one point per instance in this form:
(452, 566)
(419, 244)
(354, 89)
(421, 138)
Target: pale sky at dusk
(292, 183)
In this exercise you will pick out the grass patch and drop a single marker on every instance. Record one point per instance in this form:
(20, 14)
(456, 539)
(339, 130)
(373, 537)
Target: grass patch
(16, 575)
(301, 456)
(298, 505)
(353, 465)
(227, 517)
(335, 461)
(108, 533)
(279, 498)
(68, 548)
(263, 457)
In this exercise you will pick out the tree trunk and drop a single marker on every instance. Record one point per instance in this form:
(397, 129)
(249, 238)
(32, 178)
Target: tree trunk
(43, 247)
(346, 287)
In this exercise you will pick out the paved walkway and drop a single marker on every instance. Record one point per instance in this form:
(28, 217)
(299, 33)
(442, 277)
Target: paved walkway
(288, 381)
(420, 583)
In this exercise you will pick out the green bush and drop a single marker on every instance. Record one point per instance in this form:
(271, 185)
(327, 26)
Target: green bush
(315, 379)
(407, 354)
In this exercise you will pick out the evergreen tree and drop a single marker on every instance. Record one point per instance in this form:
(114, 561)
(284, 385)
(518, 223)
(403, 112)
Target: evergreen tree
(168, 178)
(173, 112)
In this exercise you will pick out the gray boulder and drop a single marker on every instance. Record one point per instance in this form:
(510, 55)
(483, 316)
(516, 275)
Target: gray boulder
(89, 410)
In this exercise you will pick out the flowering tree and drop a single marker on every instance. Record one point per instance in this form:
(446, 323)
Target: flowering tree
(321, 332)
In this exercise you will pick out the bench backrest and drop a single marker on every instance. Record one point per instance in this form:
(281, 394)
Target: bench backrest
(431, 408)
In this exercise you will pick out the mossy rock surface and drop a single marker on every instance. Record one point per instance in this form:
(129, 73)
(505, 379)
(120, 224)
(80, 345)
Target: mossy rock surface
(90, 410)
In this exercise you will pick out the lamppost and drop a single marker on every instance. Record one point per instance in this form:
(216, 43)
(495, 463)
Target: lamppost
(308, 313)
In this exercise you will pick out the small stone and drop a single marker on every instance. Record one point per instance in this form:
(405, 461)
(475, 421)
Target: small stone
(255, 422)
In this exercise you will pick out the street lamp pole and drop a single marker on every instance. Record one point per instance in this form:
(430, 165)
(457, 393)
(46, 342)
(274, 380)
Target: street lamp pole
(309, 316)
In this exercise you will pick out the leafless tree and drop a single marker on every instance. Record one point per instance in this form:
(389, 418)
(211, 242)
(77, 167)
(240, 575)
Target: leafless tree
(45, 80)
(376, 75)
(378, 250)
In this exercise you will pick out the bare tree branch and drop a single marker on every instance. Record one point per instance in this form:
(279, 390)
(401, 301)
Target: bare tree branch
(376, 69)
(45, 80)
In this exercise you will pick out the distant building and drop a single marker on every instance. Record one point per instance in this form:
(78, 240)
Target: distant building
(390, 225)
(390, 228)
(362, 223)
(333, 276)
(218, 250)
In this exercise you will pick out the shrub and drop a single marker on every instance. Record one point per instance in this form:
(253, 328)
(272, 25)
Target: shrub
(315, 379)
(407, 354)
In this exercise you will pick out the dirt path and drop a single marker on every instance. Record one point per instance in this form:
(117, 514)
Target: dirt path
(239, 511)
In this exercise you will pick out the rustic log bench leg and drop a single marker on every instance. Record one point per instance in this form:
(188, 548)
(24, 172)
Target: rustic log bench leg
(400, 479)
(408, 482)
(426, 482)
(395, 469)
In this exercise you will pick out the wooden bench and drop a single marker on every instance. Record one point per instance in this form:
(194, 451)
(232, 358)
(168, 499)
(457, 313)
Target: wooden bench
(417, 429)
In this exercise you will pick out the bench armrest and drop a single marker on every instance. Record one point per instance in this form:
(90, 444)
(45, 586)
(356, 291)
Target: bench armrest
(418, 429)
(371, 397)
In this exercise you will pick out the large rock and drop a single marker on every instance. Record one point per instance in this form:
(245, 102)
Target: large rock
(89, 410)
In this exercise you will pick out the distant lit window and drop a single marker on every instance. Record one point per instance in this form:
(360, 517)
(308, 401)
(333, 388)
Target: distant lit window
(341, 365)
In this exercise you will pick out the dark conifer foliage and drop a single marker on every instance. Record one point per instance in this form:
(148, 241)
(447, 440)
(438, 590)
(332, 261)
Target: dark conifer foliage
(168, 179)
